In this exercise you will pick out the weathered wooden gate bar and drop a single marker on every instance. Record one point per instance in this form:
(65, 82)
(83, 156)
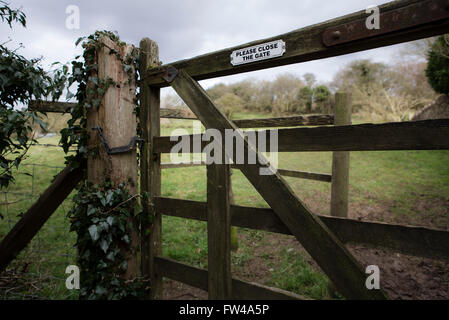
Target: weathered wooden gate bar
(291, 121)
(198, 278)
(307, 44)
(413, 135)
(33, 220)
(283, 172)
(333, 258)
(418, 241)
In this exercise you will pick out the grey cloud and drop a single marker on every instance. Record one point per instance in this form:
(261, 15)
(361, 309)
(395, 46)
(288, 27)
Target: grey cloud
(185, 28)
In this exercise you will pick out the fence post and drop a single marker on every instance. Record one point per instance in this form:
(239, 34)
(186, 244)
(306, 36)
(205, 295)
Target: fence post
(340, 159)
(218, 231)
(117, 119)
(150, 169)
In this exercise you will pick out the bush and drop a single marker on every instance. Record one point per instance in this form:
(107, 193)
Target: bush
(229, 103)
(437, 71)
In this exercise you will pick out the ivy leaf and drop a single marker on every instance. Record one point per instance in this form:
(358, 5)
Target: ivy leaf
(104, 245)
(111, 256)
(91, 209)
(109, 196)
(126, 238)
(100, 290)
(69, 95)
(93, 231)
(79, 40)
(110, 220)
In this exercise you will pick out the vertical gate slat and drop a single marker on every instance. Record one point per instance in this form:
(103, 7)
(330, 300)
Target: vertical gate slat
(219, 231)
(150, 170)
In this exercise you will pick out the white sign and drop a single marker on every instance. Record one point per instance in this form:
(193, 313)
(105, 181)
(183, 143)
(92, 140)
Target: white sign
(259, 52)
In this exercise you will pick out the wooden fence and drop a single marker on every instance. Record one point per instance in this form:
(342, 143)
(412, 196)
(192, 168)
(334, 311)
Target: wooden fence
(323, 237)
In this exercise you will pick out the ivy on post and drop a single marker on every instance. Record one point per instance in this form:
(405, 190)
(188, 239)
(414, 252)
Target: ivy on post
(104, 214)
(150, 169)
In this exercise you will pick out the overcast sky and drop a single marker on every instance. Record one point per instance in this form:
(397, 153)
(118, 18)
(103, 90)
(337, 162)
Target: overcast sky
(185, 28)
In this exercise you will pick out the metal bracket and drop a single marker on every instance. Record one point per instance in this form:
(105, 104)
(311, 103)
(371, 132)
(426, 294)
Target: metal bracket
(410, 16)
(169, 74)
(117, 150)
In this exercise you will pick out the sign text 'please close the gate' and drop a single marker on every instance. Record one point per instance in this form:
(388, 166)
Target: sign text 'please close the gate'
(259, 52)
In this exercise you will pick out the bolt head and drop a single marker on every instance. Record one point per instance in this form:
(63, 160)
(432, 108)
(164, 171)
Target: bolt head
(336, 35)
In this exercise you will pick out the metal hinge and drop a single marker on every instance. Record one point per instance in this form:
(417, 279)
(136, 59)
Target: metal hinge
(116, 150)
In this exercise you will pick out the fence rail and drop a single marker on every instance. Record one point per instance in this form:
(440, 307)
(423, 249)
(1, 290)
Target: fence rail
(418, 241)
(291, 121)
(39, 272)
(284, 172)
(413, 135)
(241, 290)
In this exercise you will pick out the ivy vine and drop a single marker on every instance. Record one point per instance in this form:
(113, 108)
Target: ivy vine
(103, 216)
(102, 219)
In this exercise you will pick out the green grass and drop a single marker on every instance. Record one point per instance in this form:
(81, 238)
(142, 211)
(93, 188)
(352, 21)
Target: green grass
(397, 178)
(295, 274)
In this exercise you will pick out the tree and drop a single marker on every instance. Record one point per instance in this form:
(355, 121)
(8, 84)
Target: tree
(438, 65)
(21, 80)
(362, 73)
(309, 79)
(229, 103)
(321, 95)
(285, 89)
(305, 96)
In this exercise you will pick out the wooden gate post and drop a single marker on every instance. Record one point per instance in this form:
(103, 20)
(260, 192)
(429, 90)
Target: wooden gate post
(219, 231)
(117, 120)
(340, 159)
(150, 169)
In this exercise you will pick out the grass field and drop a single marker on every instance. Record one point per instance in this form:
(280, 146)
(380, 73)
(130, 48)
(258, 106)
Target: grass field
(388, 186)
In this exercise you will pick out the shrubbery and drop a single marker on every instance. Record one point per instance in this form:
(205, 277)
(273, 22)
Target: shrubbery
(438, 65)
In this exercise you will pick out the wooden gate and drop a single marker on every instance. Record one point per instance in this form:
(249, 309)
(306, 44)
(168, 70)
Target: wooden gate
(323, 237)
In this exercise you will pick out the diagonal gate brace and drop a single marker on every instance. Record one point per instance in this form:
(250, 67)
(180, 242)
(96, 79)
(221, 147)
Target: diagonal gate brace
(324, 247)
